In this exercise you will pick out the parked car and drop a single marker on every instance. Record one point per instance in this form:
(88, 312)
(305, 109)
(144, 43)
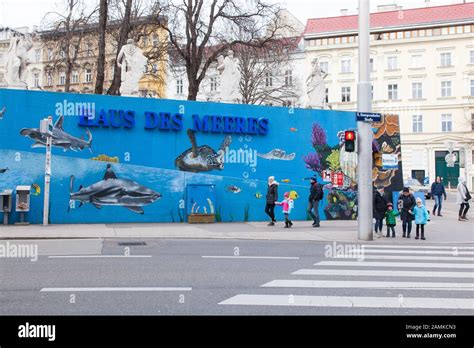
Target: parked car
(416, 186)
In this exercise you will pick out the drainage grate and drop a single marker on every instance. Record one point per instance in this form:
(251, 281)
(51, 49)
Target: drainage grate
(131, 243)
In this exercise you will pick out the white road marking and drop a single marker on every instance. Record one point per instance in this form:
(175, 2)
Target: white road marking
(108, 289)
(395, 264)
(412, 252)
(417, 247)
(253, 257)
(96, 256)
(391, 273)
(406, 257)
(300, 283)
(350, 301)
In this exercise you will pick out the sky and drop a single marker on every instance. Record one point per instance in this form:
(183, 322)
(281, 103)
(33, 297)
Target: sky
(18, 13)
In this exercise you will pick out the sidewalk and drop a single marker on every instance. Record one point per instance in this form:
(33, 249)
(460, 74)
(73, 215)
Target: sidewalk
(342, 231)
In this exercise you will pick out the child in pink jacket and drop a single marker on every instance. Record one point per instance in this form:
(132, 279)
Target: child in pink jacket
(287, 205)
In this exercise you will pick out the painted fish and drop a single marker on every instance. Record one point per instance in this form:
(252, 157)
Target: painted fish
(293, 195)
(116, 192)
(3, 170)
(286, 180)
(258, 195)
(277, 154)
(202, 158)
(37, 189)
(105, 158)
(2, 112)
(59, 138)
(233, 189)
(292, 129)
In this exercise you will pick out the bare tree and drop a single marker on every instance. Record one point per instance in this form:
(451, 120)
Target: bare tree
(267, 73)
(200, 30)
(99, 82)
(65, 35)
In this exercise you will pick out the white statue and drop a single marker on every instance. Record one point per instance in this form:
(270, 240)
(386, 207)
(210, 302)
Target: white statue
(132, 63)
(315, 87)
(230, 78)
(16, 60)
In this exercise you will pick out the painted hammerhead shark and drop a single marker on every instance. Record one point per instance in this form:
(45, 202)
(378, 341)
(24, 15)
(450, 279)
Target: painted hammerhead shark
(59, 138)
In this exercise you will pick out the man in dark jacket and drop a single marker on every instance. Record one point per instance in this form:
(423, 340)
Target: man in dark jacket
(438, 191)
(315, 195)
(379, 209)
(406, 203)
(271, 198)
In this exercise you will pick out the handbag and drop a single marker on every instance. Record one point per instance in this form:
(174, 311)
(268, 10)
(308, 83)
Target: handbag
(468, 195)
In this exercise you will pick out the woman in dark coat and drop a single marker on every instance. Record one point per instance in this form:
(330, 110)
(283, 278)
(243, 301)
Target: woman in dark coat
(406, 203)
(379, 208)
(272, 197)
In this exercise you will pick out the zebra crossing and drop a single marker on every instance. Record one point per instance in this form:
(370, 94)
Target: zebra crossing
(443, 274)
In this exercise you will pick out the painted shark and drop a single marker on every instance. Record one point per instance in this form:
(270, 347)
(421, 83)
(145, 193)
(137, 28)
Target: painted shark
(116, 192)
(202, 158)
(60, 138)
(277, 154)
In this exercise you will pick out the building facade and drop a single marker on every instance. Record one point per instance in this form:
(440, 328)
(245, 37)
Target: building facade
(422, 68)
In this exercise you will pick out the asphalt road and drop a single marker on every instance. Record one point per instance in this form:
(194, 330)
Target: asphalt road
(236, 277)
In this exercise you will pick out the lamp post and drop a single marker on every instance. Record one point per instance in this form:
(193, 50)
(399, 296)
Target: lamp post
(364, 104)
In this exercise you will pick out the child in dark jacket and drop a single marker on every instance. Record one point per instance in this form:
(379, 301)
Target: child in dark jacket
(390, 219)
(287, 205)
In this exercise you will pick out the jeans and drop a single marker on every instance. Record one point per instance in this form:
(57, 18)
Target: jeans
(406, 226)
(463, 209)
(438, 203)
(378, 225)
(390, 228)
(270, 210)
(314, 206)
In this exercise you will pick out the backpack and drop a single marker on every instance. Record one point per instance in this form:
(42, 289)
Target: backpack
(319, 192)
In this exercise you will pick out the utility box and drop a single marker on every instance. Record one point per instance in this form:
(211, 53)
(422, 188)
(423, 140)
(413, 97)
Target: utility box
(6, 204)
(23, 201)
(200, 203)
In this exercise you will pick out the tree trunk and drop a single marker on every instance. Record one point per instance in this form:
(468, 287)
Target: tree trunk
(124, 30)
(99, 81)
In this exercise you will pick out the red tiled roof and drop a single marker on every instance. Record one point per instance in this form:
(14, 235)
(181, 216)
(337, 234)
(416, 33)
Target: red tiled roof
(417, 16)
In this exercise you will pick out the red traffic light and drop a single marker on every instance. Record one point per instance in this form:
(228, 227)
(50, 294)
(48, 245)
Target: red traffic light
(349, 135)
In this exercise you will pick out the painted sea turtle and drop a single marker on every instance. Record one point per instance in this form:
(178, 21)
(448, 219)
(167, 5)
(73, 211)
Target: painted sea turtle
(202, 158)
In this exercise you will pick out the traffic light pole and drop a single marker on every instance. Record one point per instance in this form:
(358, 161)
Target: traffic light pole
(364, 104)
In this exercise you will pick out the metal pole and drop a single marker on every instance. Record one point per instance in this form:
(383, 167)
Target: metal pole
(47, 180)
(364, 104)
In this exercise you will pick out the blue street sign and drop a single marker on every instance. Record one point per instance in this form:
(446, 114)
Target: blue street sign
(368, 117)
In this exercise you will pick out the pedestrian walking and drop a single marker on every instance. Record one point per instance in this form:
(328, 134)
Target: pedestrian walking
(390, 219)
(462, 199)
(271, 198)
(437, 192)
(288, 206)
(406, 203)
(379, 209)
(421, 218)
(315, 195)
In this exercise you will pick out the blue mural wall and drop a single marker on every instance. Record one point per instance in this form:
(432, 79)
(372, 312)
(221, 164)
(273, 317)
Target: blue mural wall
(155, 148)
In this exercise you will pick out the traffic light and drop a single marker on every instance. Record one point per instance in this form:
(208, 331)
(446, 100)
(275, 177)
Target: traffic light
(350, 138)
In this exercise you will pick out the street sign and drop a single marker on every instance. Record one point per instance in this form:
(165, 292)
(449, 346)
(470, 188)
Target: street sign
(368, 117)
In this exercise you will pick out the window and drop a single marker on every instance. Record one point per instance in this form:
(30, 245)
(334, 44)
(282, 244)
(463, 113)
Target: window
(75, 77)
(49, 80)
(472, 88)
(471, 57)
(327, 97)
(145, 40)
(1, 59)
(89, 50)
(288, 78)
(371, 92)
(472, 126)
(62, 78)
(50, 54)
(445, 59)
(36, 80)
(88, 75)
(393, 92)
(179, 86)
(417, 90)
(346, 94)
(446, 123)
(392, 63)
(417, 123)
(154, 68)
(155, 40)
(417, 61)
(324, 66)
(346, 65)
(63, 53)
(371, 64)
(37, 56)
(268, 80)
(213, 84)
(445, 88)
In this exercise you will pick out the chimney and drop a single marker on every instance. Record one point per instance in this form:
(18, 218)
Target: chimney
(427, 3)
(344, 12)
(387, 7)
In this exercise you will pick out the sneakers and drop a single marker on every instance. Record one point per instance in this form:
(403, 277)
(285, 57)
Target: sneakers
(393, 236)
(271, 224)
(465, 217)
(417, 237)
(439, 215)
(423, 238)
(316, 225)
